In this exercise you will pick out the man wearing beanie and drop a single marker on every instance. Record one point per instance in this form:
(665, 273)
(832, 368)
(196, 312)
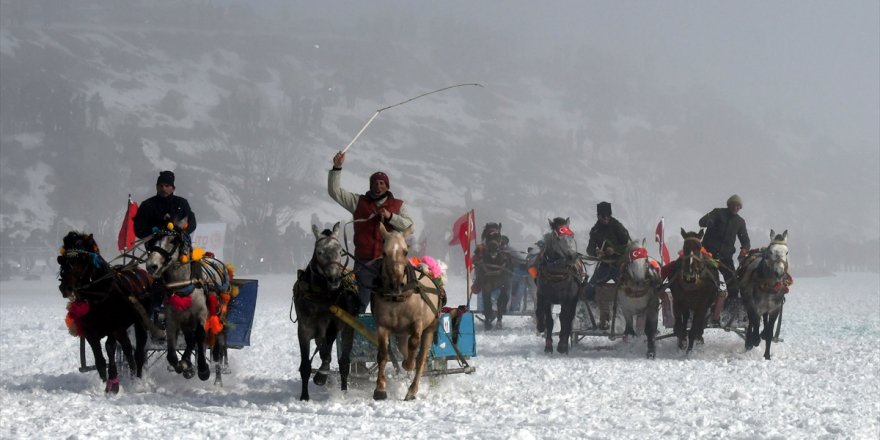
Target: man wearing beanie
(153, 211)
(723, 227)
(608, 240)
(369, 209)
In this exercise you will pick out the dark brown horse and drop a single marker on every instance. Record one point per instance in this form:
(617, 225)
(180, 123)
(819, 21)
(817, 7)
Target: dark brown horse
(764, 281)
(694, 285)
(319, 286)
(493, 269)
(105, 302)
(406, 304)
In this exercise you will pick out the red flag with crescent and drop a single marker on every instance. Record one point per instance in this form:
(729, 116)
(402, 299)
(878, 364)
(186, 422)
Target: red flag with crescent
(658, 237)
(126, 232)
(463, 232)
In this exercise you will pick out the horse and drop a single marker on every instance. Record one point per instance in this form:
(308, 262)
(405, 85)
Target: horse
(493, 270)
(559, 279)
(637, 291)
(105, 302)
(764, 281)
(194, 280)
(405, 303)
(694, 284)
(322, 284)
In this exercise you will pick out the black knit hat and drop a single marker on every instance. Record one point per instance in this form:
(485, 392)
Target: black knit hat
(166, 177)
(603, 208)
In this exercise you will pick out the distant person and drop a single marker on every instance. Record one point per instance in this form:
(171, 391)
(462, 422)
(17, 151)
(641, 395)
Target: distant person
(723, 227)
(158, 210)
(369, 209)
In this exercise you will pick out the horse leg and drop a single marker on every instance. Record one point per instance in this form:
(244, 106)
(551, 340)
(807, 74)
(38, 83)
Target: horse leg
(681, 319)
(140, 349)
(503, 300)
(325, 350)
(305, 364)
(769, 324)
(344, 360)
(171, 327)
(189, 339)
(753, 338)
(651, 322)
(540, 320)
(566, 319)
(381, 359)
(125, 344)
(548, 331)
(112, 386)
(98, 353)
(201, 359)
(412, 346)
(426, 338)
(697, 326)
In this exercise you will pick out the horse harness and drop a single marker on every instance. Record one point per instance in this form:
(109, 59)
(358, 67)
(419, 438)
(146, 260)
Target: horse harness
(413, 284)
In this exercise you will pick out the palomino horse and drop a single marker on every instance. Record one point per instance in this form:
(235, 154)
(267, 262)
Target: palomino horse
(694, 284)
(105, 302)
(559, 278)
(194, 283)
(637, 292)
(493, 267)
(764, 281)
(319, 286)
(406, 303)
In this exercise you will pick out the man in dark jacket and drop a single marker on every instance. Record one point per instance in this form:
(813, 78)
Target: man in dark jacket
(608, 240)
(153, 211)
(374, 206)
(723, 227)
(156, 212)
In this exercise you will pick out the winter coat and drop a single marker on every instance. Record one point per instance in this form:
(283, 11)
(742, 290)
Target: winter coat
(722, 229)
(612, 234)
(152, 213)
(366, 234)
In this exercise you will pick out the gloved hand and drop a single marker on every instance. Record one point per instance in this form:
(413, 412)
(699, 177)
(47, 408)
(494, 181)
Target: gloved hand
(743, 252)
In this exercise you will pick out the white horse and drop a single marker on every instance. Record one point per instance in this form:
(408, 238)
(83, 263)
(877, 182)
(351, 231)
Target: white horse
(192, 283)
(764, 281)
(637, 292)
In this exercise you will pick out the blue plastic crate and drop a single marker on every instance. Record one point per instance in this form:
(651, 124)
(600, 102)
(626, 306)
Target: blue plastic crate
(240, 318)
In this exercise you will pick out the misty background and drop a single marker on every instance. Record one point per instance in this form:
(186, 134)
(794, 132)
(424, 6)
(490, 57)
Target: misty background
(664, 109)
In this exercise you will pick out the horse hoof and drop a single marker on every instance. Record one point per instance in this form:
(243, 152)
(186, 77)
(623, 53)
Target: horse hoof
(380, 395)
(548, 349)
(304, 397)
(204, 374)
(409, 397)
(651, 355)
(562, 347)
(682, 344)
(320, 379)
(188, 374)
(767, 357)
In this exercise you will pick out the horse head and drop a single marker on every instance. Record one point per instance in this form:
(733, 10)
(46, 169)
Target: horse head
(394, 257)
(79, 261)
(167, 246)
(776, 254)
(692, 256)
(636, 265)
(327, 256)
(489, 230)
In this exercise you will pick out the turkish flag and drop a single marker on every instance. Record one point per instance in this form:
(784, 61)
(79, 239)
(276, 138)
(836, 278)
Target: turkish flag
(658, 237)
(126, 232)
(463, 232)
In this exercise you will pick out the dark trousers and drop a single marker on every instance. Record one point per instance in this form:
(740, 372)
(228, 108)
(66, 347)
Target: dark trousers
(604, 272)
(366, 272)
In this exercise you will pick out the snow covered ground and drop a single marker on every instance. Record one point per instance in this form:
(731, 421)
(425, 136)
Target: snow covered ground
(821, 383)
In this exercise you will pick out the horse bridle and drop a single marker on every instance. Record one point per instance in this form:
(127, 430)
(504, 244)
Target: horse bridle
(177, 241)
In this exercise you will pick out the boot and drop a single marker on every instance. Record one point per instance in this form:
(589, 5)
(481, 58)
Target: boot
(605, 299)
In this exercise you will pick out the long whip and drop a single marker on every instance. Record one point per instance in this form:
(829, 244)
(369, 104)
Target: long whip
(401, 103)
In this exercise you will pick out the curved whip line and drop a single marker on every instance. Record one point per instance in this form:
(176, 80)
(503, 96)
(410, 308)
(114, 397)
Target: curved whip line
(401, 103)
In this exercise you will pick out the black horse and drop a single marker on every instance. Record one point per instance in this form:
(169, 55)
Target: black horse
(493, 270)
(105, 302)
(560, 273)
(694, 285)
(322, 284)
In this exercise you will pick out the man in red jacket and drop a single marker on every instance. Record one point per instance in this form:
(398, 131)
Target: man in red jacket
(369, 209)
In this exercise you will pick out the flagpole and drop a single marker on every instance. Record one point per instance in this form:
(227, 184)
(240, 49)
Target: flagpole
(125, 246)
